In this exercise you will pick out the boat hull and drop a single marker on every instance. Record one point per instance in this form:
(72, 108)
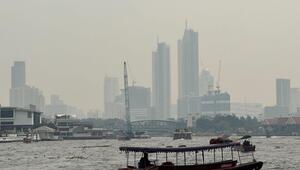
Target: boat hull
(249, 166)
(226, 165)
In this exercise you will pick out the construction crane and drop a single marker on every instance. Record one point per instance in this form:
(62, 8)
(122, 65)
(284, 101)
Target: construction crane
(219, 78)
(127, 108)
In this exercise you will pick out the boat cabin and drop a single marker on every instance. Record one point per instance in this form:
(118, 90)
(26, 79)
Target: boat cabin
(211, 157)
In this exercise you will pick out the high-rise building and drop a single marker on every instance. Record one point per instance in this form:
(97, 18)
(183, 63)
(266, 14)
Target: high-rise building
(161, 90)
(283, 100)
(26, 96)
(139, 102)
(55, 100)
(188, 64)
(215, 103)
(283, 92)
(211, 104)
(111, 90)
(22, 95)
(139, 97)
(206, 82)
(18, 74)
(57, 107)
(294, 100)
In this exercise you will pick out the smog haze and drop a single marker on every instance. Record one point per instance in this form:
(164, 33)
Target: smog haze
(69, 46)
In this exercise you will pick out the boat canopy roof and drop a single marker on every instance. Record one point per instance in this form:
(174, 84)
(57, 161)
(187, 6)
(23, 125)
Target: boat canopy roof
(178, 149)
(246, 137)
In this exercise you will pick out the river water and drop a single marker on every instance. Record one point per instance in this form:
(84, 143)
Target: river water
(275, 152)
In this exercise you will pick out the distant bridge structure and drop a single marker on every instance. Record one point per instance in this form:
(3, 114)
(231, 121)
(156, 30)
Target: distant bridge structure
(155, 127)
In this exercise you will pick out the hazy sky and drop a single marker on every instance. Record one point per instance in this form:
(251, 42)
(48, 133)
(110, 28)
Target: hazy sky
(70, 45)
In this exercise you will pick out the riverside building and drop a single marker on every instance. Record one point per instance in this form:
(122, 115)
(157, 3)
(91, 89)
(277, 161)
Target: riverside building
(15, 119)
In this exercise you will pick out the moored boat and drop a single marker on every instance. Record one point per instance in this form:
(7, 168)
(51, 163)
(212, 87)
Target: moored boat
(182, 134)
(9, 138)
(203, 163)
(27, 139)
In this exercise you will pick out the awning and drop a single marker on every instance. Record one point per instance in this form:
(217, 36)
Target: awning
(178, 149)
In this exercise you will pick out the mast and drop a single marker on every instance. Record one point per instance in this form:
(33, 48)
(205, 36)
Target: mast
(127, 109)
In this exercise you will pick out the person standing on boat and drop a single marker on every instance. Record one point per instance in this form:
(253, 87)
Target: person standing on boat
(144, 161)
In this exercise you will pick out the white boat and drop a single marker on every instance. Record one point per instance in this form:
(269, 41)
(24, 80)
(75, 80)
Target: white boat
(8, 138)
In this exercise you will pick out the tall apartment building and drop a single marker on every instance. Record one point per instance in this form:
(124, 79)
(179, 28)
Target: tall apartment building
(161, 77)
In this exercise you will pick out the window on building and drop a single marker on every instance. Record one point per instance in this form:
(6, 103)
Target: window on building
(3, 128)
(7, 126)
(7, 123)
(7, 113)
(29, 115)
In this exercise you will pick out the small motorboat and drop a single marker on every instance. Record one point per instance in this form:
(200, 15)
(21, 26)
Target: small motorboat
(27, 139)
(246, 144)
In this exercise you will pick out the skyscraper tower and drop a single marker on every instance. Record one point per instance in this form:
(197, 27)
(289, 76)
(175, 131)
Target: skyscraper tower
(18, 75)
(161, 90)
(111, 90)
(20, 94)
(206, 82)
(283, 92)
(188, 64)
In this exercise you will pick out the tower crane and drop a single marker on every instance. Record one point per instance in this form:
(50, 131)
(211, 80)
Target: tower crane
(129, 132)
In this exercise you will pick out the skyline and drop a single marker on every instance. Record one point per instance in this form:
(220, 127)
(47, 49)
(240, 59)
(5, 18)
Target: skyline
(247, 43)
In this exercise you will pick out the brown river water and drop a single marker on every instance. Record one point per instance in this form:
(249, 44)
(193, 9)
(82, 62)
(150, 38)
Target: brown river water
(275, 152)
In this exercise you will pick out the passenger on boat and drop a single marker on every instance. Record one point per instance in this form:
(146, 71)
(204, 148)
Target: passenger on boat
(144, 161)
(246, 143)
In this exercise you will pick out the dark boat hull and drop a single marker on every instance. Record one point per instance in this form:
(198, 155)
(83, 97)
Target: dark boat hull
(220, 166)
(225, 165)
(249, 166)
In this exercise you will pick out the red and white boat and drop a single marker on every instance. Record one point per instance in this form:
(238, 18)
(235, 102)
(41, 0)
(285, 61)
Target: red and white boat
(199, 161)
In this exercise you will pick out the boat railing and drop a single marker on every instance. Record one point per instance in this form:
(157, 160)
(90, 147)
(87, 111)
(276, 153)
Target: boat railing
(187, 155)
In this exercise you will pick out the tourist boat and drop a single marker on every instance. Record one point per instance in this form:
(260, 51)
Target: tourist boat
(182, 134)
(181, 158)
